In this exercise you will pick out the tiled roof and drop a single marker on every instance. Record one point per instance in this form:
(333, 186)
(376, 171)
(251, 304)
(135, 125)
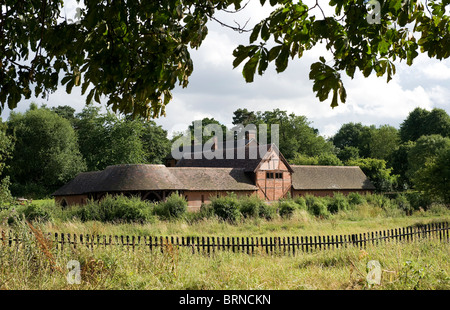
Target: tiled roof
(329, 178)
(247, 158)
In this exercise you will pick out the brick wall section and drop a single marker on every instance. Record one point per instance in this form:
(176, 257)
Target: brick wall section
(72, 200)
(276, 186)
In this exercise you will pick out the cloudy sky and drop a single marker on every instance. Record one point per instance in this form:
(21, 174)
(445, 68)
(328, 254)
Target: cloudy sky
(216, 89)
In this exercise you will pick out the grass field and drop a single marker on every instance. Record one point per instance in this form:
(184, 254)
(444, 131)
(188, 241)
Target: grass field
(404, 266)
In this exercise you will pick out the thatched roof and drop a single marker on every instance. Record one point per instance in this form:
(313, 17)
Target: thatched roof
(82, 183)
(137, 177)
(226, 179)
(122, 178)
(329, 178)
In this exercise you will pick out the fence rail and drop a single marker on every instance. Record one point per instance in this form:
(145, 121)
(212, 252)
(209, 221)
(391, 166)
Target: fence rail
(249, 245)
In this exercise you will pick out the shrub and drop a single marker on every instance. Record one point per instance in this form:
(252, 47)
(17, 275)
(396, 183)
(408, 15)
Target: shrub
(355, 199)
(309, 200)
(206, 211)
(338, 203)
(418, 200)
(174, 206)
(286, 207)
(251, 205)
(301, 202)
(33, 212)
(267, 211)
(226, 207)
(29, 212)
(116, 208)
(403, 204)
(376, 200)
(319, 208)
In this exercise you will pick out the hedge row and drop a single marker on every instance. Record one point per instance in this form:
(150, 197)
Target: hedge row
(229, 208)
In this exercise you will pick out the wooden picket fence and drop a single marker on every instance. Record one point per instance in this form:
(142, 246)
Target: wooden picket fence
(249, 245)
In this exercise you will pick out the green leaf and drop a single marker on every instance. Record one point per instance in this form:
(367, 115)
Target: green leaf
(263, 62)
(274, 52)
(242, 52)
(250, 68)
(265, 34)
(255, 33)
(383, 47)
(282, 60)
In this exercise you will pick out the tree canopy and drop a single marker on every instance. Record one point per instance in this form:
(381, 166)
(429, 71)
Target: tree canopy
(133, 53)
(46, 153)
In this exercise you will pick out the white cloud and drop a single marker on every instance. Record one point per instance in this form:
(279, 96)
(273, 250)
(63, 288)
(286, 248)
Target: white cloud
(436, 70)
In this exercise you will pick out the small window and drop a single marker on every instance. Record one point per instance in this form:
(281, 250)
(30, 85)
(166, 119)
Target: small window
(274, 175)
(269, 175)
(203, 198)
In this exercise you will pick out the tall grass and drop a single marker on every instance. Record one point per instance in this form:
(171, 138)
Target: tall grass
(36, 264)
(417, 265)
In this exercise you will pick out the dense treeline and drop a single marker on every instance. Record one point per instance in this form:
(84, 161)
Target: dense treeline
(43, 148)
(51, 146)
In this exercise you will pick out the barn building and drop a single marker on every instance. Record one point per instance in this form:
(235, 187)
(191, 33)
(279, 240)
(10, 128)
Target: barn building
(245, 169)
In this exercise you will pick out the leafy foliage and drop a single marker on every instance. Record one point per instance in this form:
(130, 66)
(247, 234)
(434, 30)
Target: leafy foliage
(131, 52)
(134, 53)
(252, 206)
(107, 139)
(286, 208)
(226, 207)
(115, 209)
(377, 172)
(434, 177)
(354, 42)
(421, 122)
(6, 148)
(173, 207)
(46, 153)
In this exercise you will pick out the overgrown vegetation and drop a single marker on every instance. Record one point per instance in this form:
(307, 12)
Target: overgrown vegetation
(418, 265)
(414, 265)
(229, 208)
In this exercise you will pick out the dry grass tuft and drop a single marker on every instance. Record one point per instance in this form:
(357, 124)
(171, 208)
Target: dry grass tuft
(45, 244)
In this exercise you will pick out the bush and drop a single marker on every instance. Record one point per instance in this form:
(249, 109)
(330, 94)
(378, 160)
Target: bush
(376, 200)
(355, 199)
(403, 204)
(206, 211)
(33, 212)
(116, 208)
(267, 211)
(318, 208)
(301, 202)
(250, 206)
(418, 200)
(174, 206)
(338, 203)
(286, 207)
(29, 212)
(226, 207)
